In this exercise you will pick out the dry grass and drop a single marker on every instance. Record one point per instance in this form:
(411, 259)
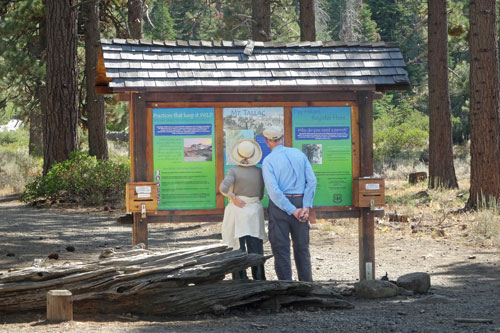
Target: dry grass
(439, 213)
(17, 169)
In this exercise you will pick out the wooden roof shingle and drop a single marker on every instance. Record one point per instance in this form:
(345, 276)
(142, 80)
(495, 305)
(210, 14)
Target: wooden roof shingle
(125, 63)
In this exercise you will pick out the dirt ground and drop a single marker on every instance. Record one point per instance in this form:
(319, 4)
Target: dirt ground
(465, 276)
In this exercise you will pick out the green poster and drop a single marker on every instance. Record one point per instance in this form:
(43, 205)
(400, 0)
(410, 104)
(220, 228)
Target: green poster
(324, 135)
(184, 158)
(249, 123)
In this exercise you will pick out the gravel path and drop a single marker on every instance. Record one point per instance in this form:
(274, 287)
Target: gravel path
(465, 277)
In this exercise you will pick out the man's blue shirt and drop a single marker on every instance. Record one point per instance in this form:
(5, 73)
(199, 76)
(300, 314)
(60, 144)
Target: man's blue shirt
(288, 171)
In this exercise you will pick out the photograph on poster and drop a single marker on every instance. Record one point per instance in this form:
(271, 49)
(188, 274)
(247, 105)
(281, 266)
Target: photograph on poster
(197, 149)
(314, 152)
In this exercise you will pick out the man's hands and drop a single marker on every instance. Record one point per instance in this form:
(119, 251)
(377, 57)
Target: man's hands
(302, 214)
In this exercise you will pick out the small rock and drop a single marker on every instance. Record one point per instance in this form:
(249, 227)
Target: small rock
(70, 248)
(376, 289)
(472, 257)
(11, 254)
(54, 256)
(421, 194)
(107, 253)
(418, 282)
(402, 313)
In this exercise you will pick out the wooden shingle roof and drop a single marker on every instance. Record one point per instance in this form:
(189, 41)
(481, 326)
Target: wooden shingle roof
(140, 64)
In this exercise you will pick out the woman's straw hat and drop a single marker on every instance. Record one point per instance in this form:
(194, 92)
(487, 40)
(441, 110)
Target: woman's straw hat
(246, 152)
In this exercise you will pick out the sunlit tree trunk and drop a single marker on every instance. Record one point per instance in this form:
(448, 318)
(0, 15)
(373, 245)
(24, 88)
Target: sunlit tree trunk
(441, 168)
(98, 145)
(135, 11)
(484, 104)
(307, 20)
(61, 136)
(350, 20)
(261, 20)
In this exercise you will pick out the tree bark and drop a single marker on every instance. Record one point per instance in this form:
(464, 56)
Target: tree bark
(98, 144)
(135, 12)
(61, 136)
(441, 168)
(484, 105)
(307, 20)
(36, 116)
(261, 20)
(181, 282)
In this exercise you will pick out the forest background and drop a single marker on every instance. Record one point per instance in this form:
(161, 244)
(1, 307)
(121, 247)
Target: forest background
(401, 119)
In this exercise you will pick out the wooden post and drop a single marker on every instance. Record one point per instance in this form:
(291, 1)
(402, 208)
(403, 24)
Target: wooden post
(59, 305)
(140, 230)
(367, 218)
(139, 147)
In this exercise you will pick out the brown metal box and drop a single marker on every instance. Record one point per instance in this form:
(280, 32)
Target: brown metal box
(364, 190)
(142, 193)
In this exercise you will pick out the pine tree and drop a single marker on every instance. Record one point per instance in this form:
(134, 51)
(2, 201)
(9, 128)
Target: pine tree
(161, 26)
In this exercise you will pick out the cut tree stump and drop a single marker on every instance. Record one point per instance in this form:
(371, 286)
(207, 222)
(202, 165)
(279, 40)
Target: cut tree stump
(181, 282)
(417, 177)
(59, 305)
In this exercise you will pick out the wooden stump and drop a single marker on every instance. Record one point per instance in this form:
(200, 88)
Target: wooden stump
(417, 177)
(59, 305)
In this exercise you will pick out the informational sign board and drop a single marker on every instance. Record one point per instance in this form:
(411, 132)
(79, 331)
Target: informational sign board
(249, 123)
(184, 158)
(324, 135)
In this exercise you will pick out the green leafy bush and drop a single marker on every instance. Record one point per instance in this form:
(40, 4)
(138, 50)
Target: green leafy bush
(400, 131)
(81, 179)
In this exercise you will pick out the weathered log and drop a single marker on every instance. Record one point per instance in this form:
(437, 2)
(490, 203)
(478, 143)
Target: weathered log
(206, 298)
(184, 282)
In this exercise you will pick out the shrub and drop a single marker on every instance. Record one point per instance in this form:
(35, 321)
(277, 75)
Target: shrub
(81, 179)
(399, 131)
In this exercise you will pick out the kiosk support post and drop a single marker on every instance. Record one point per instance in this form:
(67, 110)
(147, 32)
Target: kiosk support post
(367, 217)
(139, 157)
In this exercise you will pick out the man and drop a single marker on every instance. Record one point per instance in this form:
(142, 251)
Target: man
(290, 185)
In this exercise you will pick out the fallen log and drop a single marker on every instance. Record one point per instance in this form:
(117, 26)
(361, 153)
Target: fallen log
(181, 282)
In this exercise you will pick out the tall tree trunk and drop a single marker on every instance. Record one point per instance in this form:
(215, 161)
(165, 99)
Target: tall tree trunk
(61, 136)
(261, 20)
(135, 11)
(36, 123)
(307, 20)
(36, 115)
(484, 104)
(98, 145)
(441, 168)
(350, 20)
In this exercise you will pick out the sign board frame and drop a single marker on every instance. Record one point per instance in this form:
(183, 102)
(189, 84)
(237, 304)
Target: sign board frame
(186, 215)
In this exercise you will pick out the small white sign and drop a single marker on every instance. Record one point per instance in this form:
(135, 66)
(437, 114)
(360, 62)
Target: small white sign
(372, 187)
(369, 271)
(143, 195)
(143, 189)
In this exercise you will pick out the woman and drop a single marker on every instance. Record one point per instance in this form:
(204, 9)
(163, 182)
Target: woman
(243, 225)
